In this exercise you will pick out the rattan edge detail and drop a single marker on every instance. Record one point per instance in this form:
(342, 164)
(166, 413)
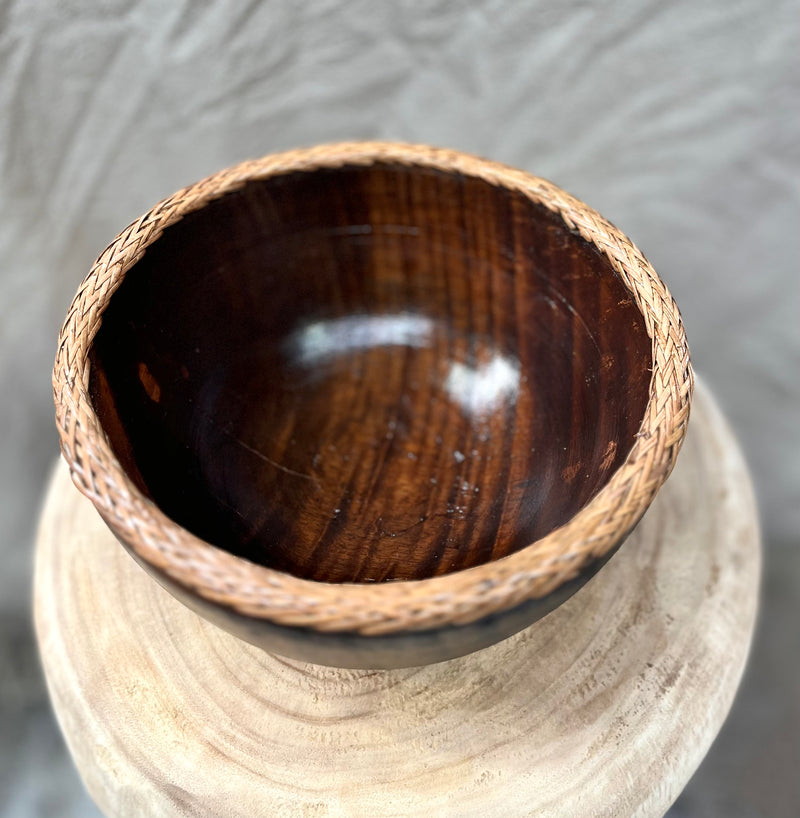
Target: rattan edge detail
(453, 599)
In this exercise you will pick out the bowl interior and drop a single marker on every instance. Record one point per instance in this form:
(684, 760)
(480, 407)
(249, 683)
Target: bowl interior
(371, 373)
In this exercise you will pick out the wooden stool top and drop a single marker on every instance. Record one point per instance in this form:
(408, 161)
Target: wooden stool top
(603, 708)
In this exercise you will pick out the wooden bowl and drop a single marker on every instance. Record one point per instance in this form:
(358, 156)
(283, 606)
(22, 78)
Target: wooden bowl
(372, 405)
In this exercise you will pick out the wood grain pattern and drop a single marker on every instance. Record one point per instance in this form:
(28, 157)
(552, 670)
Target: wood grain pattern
(371, 373)
(603, 708)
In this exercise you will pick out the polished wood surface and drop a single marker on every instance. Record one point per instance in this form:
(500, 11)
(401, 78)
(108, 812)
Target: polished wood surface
(371, 374)
(604, 708)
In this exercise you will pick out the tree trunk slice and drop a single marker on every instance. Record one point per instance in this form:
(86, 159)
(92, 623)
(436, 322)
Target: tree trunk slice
(604, 708)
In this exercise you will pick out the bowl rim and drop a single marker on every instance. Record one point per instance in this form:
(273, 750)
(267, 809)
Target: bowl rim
(457, 598)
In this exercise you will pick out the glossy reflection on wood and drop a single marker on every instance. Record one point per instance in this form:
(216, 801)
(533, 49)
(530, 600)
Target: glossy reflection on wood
(370, 374)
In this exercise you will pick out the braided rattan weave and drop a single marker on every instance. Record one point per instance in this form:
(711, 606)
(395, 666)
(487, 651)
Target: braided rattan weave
(456, 598)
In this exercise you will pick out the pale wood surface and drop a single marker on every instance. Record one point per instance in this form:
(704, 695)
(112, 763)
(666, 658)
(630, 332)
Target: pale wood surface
(603, 708)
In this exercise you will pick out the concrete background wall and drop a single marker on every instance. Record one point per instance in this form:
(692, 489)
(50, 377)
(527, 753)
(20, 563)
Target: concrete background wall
(676, 120)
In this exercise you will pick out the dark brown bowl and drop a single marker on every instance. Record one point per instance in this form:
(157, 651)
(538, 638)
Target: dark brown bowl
(372, 404)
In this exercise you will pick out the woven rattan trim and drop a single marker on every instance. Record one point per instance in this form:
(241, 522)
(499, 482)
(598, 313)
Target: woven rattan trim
(456, 598)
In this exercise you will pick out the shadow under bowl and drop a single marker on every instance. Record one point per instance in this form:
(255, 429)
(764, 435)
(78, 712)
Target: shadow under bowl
(344, 377)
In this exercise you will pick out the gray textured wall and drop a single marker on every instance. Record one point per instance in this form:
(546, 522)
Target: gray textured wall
(677, 120)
